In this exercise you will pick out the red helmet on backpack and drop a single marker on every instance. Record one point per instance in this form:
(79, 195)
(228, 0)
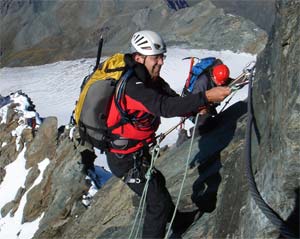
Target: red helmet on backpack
(220, 74)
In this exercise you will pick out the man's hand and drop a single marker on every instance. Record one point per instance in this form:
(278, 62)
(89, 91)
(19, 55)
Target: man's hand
(217, 94)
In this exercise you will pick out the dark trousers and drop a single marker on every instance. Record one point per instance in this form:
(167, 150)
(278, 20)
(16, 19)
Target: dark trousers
(159, 205)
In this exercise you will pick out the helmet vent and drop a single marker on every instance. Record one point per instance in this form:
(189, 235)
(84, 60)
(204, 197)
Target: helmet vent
(157, 46)
(138, 40)
(142, 43)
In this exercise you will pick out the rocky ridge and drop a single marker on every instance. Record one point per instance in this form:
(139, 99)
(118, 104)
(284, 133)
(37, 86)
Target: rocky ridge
(39, 32)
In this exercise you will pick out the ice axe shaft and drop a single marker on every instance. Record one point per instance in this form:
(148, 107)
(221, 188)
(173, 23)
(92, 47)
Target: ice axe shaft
(99, 53)
(163, 135)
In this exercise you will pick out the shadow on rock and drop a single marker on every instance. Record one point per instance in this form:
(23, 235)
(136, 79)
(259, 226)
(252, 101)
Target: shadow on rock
(219, 138)
(221, 130)
(206, 186)
(292, 221)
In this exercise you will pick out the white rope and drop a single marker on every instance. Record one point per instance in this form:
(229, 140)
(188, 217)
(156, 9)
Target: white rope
(184, 177)
(140, 211)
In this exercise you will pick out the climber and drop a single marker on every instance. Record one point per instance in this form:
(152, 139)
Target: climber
(215, 75)
(148, 97)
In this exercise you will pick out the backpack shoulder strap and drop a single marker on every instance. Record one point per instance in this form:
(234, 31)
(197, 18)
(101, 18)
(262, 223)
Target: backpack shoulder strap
(199, 68)
(120, 93)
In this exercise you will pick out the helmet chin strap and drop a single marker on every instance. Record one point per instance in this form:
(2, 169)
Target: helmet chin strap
(153, 78)
(211, 76)
(144, 60)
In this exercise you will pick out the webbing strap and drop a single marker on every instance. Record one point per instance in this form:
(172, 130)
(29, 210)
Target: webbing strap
(85, 126)
(126, 117)
(119, 94)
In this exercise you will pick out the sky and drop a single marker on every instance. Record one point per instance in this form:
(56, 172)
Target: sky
(54, 89)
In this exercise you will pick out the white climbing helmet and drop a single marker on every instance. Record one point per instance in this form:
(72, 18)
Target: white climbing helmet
(148, 43)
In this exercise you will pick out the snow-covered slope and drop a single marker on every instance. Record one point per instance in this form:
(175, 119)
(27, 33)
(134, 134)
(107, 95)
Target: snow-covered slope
(54, 88)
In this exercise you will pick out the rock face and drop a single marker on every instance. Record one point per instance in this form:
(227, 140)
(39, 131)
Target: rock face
(39, 32)
(276, 99)
(262, 13)
(217, 181)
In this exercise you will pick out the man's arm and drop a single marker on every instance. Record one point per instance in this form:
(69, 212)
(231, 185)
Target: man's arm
(217, 94)
(157, 103)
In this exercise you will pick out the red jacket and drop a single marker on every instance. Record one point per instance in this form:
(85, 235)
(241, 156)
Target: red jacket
(147, 100)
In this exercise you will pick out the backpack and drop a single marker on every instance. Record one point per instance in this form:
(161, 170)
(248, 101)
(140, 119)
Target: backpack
(195, 81)
(196, 70)
(97, 91)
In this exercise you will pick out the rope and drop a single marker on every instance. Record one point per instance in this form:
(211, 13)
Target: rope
(236, 85)
(184, 177)
(140, 211)
(264, 207)
(227, 102)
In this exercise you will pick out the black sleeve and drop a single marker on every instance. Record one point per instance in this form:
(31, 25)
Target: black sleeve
(165, 87)
(161, 103)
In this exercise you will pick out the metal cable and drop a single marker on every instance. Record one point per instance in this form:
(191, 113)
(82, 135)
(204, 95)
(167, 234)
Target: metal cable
(263, 206)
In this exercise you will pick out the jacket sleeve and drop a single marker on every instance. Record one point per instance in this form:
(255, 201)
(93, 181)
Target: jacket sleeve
(162, 102)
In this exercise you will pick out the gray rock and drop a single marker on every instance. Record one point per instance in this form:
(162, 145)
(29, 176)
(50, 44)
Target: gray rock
(46, 135)
(7, 208)
(21, 191)
(217, 181)
(32, 176)
(276, 99)
(12, 206)
(2, 174)
(38, 32)
(262, 13)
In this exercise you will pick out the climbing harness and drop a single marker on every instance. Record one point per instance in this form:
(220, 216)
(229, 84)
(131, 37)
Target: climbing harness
(264, 207)
(140, 211)
(140, 163)
(155, 154)
(133, 176)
